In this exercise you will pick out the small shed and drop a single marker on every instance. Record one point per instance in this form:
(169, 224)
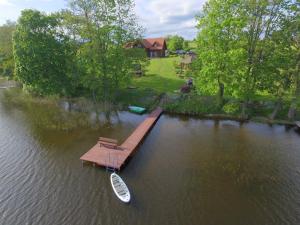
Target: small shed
(187, 60)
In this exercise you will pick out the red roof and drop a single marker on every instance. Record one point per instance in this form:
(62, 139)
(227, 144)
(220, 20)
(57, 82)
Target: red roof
(154, 43)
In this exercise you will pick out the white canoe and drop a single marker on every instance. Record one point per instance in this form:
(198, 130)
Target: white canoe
(120, 188)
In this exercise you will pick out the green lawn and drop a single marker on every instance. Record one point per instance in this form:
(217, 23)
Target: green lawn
(160, 76)
(192, 45)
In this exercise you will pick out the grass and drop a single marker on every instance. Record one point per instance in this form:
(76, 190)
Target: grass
(258, 110)
(2, 79)
(192, 45)
(160, 76)
(44, 112)
(193, 104)
(146, 98)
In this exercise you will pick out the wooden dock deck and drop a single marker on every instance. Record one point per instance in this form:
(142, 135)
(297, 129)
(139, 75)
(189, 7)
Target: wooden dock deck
(115, 158)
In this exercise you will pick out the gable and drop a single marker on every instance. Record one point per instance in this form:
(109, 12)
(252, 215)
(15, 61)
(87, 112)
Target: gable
(155, 43)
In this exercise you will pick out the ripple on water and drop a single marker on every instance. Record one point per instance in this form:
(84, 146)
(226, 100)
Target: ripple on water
(187, 171)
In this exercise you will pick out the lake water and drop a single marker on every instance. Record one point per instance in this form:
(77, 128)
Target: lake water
(187, 171)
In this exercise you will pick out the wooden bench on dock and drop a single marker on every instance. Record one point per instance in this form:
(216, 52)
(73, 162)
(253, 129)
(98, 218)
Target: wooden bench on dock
(107, 142)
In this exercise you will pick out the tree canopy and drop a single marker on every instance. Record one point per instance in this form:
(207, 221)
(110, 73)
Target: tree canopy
(42, 52)
(81, 48)
(104, 27)
(6, 49)
(175, 43)
(247, 47)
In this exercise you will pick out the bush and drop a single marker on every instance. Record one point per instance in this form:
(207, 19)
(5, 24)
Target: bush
(193, 104)
(232, 108)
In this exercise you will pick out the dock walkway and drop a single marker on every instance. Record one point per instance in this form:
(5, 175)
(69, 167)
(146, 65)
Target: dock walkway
(115, 158)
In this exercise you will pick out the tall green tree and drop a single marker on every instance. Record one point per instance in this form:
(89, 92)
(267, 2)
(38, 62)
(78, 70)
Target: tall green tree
(293, 28)
(221, 55)
(42, 53)
(281, 58)
(240, 50)
(6, 49)
(263, 19)
(104, 27)
(175, 42)
(186, 46)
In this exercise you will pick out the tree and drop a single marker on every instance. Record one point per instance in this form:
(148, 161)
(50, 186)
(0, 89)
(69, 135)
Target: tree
(263, 18)
(42, 53)
(240, 49)
(186, 45)
(220, 50)
(281, 60)
(6, 49)
(175, 43)
(293, 23)
(103, 27)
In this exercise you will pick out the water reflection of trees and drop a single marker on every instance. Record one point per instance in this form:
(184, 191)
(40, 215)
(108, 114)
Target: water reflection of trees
(249, 161)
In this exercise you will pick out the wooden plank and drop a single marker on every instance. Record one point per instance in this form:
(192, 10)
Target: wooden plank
(137, 136)
(112, 158)
(297, 124)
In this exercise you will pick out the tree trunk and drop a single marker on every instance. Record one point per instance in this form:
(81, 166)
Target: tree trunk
(292, 110)
(295, 101)
(221, 94)
(244, 109)
(276, 109)
(94, 96)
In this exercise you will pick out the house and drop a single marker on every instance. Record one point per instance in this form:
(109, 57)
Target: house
(154, 47)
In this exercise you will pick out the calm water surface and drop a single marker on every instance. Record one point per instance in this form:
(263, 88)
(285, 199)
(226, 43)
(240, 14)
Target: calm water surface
(187, 171)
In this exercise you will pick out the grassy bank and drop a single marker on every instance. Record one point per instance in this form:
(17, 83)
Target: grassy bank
(207, 106)
(161, 80)
(48, 113)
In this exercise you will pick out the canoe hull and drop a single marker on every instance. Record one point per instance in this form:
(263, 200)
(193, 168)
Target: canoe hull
(136, 109)
(120, 188)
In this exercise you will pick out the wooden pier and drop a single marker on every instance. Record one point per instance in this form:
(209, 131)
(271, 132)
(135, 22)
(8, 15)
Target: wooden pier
(115, 156)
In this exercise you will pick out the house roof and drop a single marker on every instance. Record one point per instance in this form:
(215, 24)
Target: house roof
(135, 44)
(154, 43)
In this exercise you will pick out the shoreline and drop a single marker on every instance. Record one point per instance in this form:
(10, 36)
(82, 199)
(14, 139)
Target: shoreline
(224, 117)
(83, 105)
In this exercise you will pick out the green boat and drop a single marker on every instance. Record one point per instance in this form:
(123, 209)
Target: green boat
(137, 109)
